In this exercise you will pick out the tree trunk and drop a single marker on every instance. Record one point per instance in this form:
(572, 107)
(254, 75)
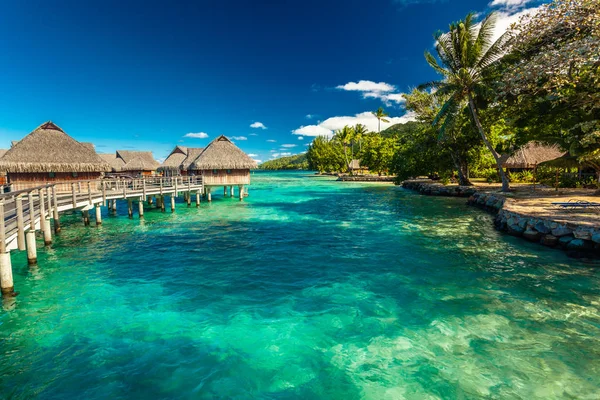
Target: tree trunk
(346, 156)
(463, 170)
(505, 184)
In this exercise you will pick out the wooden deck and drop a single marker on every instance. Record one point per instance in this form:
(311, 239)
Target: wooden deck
(23, 210)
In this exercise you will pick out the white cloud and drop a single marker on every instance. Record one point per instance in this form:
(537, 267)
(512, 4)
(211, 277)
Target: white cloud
(271, 140)
(253, 134)
(367, 86)
(312, 130)
(252, 155)
(509, 3)
(199, 135)
(288, 145)
(258, 125)
(239, 138)
(375, 90)
(258, 161)
(309, 116)
(366, 118)
(506, 18)
(300, 137)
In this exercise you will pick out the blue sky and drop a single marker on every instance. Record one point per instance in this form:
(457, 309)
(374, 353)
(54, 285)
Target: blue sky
(270, 74)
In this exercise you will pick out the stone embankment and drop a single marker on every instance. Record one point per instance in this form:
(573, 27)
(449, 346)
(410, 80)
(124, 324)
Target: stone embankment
(577, 240)
(365, 178)
(437, 189)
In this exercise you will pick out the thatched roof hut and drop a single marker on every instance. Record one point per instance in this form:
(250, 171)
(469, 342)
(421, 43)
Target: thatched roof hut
(530, 155)
(175, 159)
(222, 154)
(2, 152)
(115, 162)
(192, 154)
(49, 149)
(140, 164)
(147, 160)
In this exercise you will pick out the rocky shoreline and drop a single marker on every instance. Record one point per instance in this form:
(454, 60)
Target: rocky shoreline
(579, 241)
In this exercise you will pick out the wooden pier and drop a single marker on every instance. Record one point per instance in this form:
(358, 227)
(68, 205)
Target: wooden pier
(37, 209)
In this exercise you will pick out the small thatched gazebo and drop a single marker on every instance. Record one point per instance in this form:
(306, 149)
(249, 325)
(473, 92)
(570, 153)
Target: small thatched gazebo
(222, 163)
(179, 160)
(47, 155)
(138, 162)
(530, 155)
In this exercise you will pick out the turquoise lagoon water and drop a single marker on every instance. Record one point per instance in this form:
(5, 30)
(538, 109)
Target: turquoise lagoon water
(309, 288)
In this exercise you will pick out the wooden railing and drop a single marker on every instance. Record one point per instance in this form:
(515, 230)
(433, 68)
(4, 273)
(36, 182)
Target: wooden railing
(23, 210)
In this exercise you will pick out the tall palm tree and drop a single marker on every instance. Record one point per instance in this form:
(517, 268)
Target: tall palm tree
(466, 53)
(345, 136)
(380, 114)
(359, 132)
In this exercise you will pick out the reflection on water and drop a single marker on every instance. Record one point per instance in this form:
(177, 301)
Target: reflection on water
(308, 289)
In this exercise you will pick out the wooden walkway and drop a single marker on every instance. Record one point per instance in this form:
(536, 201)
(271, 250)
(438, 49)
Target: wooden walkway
(26, 211)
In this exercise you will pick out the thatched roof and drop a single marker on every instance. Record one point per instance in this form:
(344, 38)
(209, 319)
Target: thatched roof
(193, 153)
(222, 154)
(89, 145)
(355, 164)
(175, 159)
(141, 160)
(115, 162)
(2, 152)
(49, 149)
(566, 161)
(530, 155)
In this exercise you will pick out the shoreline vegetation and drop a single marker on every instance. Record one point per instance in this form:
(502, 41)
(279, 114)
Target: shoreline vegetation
(500, 99)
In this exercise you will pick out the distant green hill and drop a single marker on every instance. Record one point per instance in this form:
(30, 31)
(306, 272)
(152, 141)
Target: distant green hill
(399, 129)
(297, 161)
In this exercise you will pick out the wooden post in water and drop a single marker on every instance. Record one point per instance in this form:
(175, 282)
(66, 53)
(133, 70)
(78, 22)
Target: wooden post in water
(73, 195)
(232, 190)
(114, 205)
(129, 208)
(141, 207)
(224, 191)
(162, 203)
(150, 200)
(189, 193)
(98, 214)
(55, 211)
(241, 189)
(208, 196)
(45, 222)
(89, 192)
(85, 214)
(7, 286)
(173, 202)
(198, 198)
(20, 224)
(30, 235)
(104, 193)
(42, 200)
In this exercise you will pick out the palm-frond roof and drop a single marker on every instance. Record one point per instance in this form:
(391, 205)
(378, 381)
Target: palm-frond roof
(221, 153)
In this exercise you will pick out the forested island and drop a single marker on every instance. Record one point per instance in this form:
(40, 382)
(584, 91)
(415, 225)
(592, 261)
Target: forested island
(295, 162)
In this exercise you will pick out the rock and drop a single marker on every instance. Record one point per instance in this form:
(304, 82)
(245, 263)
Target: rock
(542, 228)
(564, 241)
(531, 235)
(490, 202)
(549, 240)
(515, 230)
(582, 233)
(523, 223)
(561, 231)
(579, 244)
(596, 238)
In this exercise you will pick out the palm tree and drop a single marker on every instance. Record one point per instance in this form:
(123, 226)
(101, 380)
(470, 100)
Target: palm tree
(380, 115)
(360, 131)
(466, 53)
(345, 136)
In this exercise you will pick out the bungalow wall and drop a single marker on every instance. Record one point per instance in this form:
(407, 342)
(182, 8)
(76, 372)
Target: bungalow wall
(21, 181)
(224, 177)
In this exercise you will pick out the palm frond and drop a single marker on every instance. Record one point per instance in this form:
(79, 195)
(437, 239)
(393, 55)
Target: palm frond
(495, 52)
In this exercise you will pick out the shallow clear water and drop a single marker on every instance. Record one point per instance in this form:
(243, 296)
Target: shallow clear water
(309, 288)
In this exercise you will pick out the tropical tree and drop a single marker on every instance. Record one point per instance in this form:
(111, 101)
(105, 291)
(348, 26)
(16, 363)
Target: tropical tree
(359, 132)
(345, 136)
(466, 53)
(325, 155)
(380, 114)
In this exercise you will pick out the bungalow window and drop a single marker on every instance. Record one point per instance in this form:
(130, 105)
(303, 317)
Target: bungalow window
(74, 174)
(51, 174)
(215, 172)
(228, 171)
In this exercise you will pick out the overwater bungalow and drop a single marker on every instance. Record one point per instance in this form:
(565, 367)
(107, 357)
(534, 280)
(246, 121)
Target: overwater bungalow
(138, 163)
(48, 155)
(222, 163)
(529, 156)
(115, 162)
(179, 160)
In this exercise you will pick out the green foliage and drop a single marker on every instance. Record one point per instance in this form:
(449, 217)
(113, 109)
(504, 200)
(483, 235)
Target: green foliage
(522, 177)
(378, 152)
(298, 161)
(326, 155)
